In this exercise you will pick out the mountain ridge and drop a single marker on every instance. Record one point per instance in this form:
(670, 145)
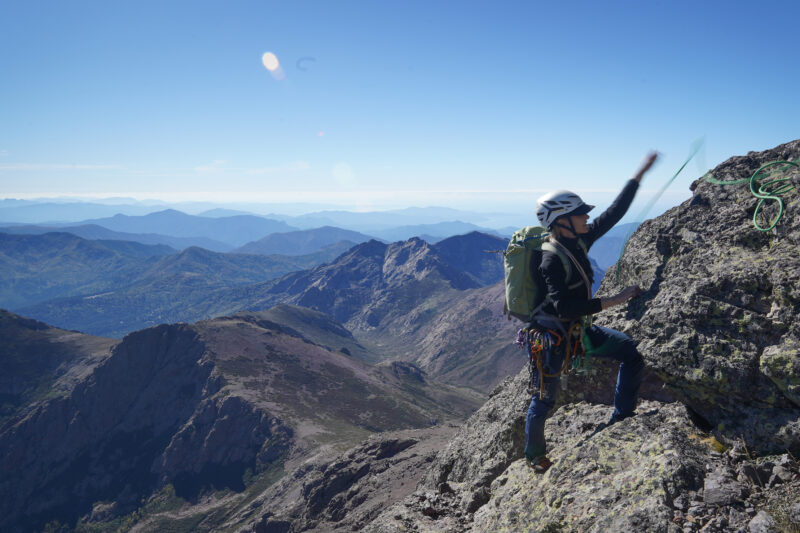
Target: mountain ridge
(195, 407)
(301, 241)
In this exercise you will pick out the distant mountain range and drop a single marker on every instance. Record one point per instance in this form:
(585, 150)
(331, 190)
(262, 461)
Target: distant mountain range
(96, 232)
(402, 299)
(39, 268)
(429, 232)
(53, 211)
(607, 249)
(36, 268)
(235, 230)
(302, 241)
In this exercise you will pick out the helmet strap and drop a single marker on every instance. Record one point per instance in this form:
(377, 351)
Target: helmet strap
(571, 226)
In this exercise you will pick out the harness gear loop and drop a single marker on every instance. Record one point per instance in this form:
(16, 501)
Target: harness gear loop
(538, 341)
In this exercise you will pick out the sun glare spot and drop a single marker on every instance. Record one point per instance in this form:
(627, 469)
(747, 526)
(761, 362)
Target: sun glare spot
(343, 175)
(270, 61)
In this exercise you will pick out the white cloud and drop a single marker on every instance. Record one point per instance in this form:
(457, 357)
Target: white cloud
(3, 153)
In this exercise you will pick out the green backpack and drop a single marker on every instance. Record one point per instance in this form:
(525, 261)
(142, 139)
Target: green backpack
(525, 290)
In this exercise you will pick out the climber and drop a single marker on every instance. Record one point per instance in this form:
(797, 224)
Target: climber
(571, 306)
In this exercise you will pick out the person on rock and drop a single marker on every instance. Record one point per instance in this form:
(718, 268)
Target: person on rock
(566, 314)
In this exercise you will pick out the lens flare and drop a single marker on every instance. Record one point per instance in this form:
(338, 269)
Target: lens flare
(270, 61)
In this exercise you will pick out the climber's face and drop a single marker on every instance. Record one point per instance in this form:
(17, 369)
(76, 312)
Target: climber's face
(579, 222)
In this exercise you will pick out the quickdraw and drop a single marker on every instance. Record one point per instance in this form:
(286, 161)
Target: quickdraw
(538, 341)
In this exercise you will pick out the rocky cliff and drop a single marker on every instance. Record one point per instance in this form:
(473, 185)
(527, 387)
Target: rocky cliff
(719, 319)
(39, 361)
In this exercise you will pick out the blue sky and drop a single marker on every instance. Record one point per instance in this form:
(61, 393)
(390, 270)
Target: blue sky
(478, 105)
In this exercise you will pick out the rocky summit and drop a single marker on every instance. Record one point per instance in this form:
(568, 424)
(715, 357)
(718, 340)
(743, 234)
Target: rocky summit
(719, 321)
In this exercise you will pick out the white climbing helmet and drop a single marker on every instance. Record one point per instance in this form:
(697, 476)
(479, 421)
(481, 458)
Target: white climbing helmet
(559, 203)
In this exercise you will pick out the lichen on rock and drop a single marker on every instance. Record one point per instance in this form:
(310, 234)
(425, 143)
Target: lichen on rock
(718, 320)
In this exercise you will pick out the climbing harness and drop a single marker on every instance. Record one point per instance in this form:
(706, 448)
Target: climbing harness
(541, 341)
(767, 190)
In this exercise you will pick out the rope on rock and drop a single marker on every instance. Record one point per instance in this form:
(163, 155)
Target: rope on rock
(767, 190)
(692, 152)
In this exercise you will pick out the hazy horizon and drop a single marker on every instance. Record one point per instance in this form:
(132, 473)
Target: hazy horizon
(490, 218)
(374, 106)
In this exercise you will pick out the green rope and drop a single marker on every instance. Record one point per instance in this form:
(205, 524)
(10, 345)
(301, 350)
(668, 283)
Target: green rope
(767, 190)
(692, 152)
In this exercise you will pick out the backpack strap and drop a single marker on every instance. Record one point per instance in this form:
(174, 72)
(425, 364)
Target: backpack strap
(563, 253)
(548, 246)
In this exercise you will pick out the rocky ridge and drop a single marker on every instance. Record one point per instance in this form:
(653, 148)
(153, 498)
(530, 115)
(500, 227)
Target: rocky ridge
(719, 319)
(656, 471)
(221, 405)
(40, 361)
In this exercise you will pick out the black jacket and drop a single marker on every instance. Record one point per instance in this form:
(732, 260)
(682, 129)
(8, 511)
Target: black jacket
(574, 303)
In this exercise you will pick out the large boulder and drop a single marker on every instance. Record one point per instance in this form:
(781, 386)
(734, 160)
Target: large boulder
(718, 322)
(623, 477)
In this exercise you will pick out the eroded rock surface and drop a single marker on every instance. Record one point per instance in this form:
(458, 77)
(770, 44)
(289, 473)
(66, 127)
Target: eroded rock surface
(719, 320)
(348, 491)
(656, 471)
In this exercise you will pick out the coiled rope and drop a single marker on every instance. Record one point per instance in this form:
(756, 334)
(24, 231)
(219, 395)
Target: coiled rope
(767, 190)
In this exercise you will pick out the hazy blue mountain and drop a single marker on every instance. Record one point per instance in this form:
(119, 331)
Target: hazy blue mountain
(52, 267)
(366, 284)
(95, 232)
(222, 212)
(598, 274)
(306, 261)
(112, 293)
(440, 229)
(32, 212)
(302, 241)
(35, 268)
(235, 230)
(473, 253)
(371, 221)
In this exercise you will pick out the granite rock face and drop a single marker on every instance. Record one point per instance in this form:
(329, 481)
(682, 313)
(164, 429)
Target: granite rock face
(719, 319)
(348, 491)
(657, 471)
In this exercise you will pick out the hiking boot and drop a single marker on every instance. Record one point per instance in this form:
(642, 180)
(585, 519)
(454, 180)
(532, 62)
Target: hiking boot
(618, 418)
(539, 464)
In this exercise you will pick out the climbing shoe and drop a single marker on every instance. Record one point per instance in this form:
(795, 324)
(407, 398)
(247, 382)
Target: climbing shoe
(539, 464)
(618, 418)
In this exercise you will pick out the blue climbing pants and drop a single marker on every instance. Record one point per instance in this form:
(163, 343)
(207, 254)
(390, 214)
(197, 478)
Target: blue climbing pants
(606, 343)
